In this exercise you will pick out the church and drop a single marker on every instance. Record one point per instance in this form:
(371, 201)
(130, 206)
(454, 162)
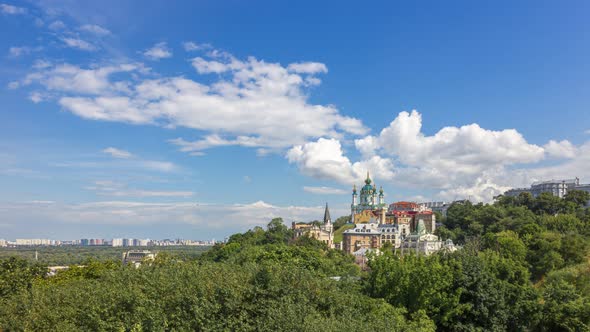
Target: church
(371, 208)
(323, 232)
(405, 225)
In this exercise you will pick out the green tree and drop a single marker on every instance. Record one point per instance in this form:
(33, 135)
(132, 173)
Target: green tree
(579, 197)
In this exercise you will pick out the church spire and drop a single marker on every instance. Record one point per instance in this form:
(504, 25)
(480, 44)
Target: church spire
(327, 218)
(368, 179)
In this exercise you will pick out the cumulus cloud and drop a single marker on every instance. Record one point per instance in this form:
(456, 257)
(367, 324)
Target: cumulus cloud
(482, 190)
(456, 162)
(117, 153)
(12, 10)
(469, 148)
(576, 166)
(158, 51)
(78, 44)
(252, 103)
(562, 149)
(451, 159)
(324, 190)
(95, 29)
(324, 159)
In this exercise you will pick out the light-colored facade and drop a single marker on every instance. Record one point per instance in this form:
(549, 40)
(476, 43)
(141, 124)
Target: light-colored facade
(390, 234)
(440, 206)
(35, 242)
(557, 188)
(323, 233)
(361, 236)
(423, 243)
(136, 257)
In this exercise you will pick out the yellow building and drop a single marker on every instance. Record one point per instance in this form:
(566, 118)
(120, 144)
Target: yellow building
(361, 236)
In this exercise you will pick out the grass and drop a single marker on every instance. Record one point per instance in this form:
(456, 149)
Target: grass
(339, 231)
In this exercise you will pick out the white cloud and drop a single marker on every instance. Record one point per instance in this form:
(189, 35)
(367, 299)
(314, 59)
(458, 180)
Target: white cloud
(36, 97)
(469, 148)
(483, 190)
(123, 160)
(78, 43)
(562, 149)
(451, 159)
(117, 153)
(324, 159)
(308, 68)
(577, 166)
(324, 190)
(229, 218)
(18, 51)
(66, 78)
(158, 51)
(192, 46)
(12, 10)
(114, 189)
(57, 25)
(95, 29)
(455, 162)
(252, 104)
(161, 166)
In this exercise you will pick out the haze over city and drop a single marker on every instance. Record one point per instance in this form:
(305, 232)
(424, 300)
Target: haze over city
(200, 120)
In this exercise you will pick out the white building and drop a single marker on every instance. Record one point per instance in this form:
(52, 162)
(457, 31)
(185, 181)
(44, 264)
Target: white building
(117, 242)
(136, 257)
(34, 242)
(557, 188)
(423, 243)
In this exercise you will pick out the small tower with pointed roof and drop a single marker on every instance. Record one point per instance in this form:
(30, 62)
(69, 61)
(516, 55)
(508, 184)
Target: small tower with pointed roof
(327, 219)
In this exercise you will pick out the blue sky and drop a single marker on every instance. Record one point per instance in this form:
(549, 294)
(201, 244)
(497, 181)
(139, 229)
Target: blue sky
(202, 119)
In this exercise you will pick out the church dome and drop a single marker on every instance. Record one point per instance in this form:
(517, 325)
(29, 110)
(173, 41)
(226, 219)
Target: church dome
(367, 188)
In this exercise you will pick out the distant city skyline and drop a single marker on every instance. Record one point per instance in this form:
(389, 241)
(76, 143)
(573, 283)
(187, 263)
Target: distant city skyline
(206, 119)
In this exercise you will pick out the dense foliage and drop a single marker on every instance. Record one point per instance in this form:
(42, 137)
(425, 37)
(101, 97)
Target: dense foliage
(68, 255)
(523, 266)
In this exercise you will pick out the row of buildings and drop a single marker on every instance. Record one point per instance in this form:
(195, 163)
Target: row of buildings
(557, 188)
(117, 242)
(407, 226)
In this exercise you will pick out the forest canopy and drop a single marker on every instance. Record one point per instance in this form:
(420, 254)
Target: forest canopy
(524, 266)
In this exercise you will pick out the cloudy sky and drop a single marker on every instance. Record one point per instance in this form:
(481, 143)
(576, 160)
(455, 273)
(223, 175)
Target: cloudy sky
(136, 119)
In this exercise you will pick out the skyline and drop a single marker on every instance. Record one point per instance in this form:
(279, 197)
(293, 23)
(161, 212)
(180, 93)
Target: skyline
(202, 120)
